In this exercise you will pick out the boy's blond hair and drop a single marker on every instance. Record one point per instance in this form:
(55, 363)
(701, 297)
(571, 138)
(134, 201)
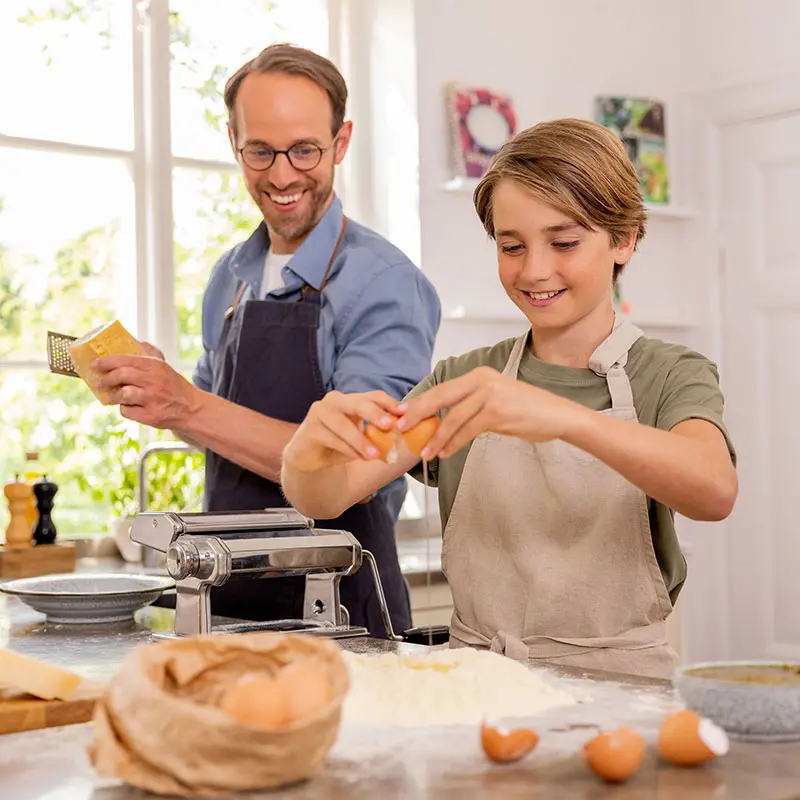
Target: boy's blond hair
(576, 166)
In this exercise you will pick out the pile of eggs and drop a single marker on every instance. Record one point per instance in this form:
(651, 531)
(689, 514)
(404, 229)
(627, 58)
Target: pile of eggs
(684, 740)
(273, 701)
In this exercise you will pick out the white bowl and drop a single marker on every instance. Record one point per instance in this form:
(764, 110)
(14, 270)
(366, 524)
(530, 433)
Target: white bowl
(93, 597)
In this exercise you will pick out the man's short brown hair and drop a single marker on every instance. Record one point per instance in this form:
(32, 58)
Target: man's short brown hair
(288, 59)
(576, 166)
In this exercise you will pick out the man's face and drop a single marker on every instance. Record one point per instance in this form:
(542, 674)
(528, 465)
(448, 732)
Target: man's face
(277, 112)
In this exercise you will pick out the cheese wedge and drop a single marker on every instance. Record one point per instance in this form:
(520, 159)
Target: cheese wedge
(30, 675)
(107, 340)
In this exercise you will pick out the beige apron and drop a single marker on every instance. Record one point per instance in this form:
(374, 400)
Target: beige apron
(548, 551)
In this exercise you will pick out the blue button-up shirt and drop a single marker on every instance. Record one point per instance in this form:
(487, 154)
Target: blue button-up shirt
(379, 314)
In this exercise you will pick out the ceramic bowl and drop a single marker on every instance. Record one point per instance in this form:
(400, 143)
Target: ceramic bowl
(93, 597)
(751, 700)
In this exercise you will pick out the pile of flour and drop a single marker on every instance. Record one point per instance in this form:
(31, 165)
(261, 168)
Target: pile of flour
(446, 687)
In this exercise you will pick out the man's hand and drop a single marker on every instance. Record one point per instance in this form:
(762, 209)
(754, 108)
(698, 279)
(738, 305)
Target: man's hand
(152, 351)
(148, 390)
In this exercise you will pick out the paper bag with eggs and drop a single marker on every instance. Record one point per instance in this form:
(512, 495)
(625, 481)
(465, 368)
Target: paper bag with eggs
(210, 715)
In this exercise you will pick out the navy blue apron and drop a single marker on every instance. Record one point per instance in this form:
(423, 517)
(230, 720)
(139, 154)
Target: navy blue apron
(267, 360)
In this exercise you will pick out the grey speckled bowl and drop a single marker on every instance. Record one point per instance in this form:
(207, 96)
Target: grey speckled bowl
(90, 597)
(758, 712)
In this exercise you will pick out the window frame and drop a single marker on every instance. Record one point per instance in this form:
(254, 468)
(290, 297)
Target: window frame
(151, 163)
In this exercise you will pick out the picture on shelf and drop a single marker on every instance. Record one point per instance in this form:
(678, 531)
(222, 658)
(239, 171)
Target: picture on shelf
(639, 122)
(481, 122)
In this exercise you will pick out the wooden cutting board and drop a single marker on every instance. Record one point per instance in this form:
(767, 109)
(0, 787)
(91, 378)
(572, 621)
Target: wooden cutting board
(24, 712)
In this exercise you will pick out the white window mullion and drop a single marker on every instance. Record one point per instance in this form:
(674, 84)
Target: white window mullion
(157, 316)
(67, 148)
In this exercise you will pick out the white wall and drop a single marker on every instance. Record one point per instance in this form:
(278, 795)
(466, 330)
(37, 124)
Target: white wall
(553, 58)
(739, 42)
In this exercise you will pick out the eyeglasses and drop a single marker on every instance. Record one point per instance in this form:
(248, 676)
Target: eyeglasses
(302, 156)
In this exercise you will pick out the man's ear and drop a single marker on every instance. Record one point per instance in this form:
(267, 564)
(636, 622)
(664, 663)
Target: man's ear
(232, 140)
(343, 142)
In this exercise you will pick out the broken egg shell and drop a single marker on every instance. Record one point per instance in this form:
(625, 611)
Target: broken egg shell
(504, 748)
(415, 439)
(616, 755)
(421, 434)
(686, 739)
(384, 441)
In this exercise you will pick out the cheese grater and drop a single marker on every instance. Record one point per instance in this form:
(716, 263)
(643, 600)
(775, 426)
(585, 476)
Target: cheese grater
(58, 356)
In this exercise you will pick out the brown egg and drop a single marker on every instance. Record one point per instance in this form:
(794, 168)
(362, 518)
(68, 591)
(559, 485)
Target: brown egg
(385, 441)
(615, 756)
(506, 747)
(687, 739)
(256, 700)
(305, 688)
(421, 434)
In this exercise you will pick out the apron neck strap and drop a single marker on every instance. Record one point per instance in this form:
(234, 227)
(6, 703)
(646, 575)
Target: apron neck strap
(614, 349)
(308, 288)
(607, 361)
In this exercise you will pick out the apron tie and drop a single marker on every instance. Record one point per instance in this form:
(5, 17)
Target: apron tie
(509, 645)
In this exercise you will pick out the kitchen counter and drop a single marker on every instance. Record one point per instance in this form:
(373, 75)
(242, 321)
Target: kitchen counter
(395, 762)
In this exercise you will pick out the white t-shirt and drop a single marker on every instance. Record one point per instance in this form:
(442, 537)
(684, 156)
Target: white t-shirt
(272, 278)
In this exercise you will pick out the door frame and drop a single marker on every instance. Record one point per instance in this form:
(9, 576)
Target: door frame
(707, 113)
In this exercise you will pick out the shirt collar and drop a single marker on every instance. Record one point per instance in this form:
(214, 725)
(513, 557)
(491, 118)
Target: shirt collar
(308, 263)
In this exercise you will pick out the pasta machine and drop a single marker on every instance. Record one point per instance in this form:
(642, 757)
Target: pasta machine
(204, 550)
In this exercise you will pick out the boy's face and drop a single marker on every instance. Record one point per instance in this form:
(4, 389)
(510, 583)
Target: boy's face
(551, 267)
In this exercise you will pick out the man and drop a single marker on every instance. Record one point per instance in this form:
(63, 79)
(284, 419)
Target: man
(310, 303)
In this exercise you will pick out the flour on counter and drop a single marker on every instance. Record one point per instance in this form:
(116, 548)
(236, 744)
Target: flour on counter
(448, 687)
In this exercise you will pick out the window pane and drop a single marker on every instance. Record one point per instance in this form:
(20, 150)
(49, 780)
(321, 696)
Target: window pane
(210, 41)
(69, 66)
(81, 445)
(67, 253)
(89, 450)
(212, 213)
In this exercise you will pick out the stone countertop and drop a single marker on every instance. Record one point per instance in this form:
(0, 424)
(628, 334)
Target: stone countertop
(396, 762)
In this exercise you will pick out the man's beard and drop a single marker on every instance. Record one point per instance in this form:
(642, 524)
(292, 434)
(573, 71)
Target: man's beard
(297, 225)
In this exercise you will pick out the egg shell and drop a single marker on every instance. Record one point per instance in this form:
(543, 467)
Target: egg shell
(421, 434)
(384, 441)
(504, 748)
(686, 739)
(305, 688)
(616, 755)
(256, 700)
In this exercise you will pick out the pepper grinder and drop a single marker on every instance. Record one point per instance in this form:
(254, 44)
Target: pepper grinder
(45, 531)
(18, 533)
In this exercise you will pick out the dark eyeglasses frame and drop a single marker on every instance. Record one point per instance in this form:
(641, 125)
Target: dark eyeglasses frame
(288, 154)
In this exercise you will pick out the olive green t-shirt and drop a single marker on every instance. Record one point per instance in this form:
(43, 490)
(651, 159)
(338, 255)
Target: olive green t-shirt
(670, 384)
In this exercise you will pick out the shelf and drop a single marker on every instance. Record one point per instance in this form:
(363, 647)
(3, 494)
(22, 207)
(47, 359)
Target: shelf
(460, 314)
(476, 318)
(667, 210)
(467, 186)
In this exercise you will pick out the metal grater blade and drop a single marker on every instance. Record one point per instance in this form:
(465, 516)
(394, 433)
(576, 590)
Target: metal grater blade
(58, 356)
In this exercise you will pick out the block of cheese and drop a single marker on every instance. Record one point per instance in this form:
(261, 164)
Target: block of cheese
(108, 340)
(30, 675)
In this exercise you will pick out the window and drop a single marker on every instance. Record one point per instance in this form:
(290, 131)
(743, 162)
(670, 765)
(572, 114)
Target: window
(116, 199)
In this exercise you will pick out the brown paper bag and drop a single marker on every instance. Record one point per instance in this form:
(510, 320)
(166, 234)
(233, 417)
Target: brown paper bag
(158, 726)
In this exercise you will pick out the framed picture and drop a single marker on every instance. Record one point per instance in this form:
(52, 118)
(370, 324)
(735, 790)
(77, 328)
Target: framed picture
(639, 122)
(481, 122)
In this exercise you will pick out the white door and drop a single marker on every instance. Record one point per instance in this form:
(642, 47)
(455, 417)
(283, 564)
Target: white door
(760, 205)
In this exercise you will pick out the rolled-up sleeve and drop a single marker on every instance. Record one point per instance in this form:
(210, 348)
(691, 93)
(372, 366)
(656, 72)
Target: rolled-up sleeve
(202, 377)
(385, 338)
